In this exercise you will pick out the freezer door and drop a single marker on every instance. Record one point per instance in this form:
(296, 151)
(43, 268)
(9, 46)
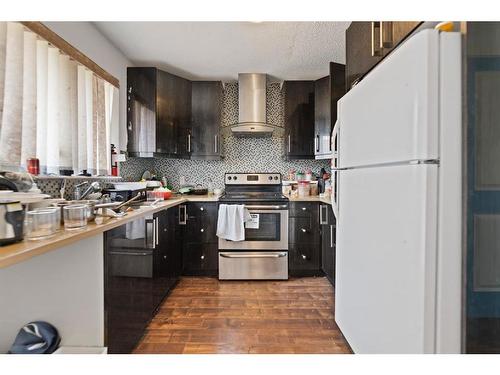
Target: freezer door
(386, 258)
(392, 114)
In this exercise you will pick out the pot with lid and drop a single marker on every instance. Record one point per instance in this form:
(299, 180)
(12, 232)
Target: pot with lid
(11, 221)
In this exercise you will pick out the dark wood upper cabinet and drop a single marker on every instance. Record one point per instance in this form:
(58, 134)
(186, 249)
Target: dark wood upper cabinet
(141, 111)
(158, 112)
(327, 91)
(183, 116)
(367, 43)
(299, 119)
(171, 116)
(173, 107)
(206, 120)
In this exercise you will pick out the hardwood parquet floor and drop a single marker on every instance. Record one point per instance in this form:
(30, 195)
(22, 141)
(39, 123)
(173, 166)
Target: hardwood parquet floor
(204, 315)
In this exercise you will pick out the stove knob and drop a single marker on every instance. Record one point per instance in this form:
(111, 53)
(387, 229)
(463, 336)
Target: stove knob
(235, 178)
(229, 177)
(270, 178)
(276, 178)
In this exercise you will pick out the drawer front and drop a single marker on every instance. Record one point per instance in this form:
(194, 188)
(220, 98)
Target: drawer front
(202, 210)
(303, 230)
(131, 263)
(201, 232)
(201, 224)
(304, 209)
(264, 265)
(200, 259)
(304, 257)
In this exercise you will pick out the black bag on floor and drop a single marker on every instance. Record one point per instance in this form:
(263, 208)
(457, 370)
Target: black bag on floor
(36, 338)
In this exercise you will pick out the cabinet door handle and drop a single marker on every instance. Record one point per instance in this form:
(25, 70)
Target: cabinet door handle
(202, 209)
(202, 257)
(189, 142)
(289, 144)
(157, 231)
(322, 218)
(182, 215)
(331, 236)
(386, 38)
(304, 257)
(375, 47)
(153, 234)
(316, 143)
(304, 208)
(202, 230)
(216, 141)
(303, 230)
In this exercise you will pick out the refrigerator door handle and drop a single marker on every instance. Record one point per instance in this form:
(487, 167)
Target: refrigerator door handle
(335, 198)
(335, 159)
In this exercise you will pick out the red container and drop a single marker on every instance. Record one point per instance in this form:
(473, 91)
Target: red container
(33, 165)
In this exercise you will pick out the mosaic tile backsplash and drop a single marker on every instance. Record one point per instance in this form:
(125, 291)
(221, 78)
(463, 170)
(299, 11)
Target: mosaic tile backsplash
(240, 154)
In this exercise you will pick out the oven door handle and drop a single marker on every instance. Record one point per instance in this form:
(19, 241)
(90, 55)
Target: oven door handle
(263, 255)
(266, 207)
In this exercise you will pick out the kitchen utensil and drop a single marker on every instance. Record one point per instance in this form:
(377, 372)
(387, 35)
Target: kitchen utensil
(153, 184)
(108, 212)
(146, 175)
(75, 216)
(186, 190)
(11, 221)
(6, 184)
(23, 181)
(124, 195)
(130, 185)
(304, 188)
(314, 187)
(127, 202)
(200, 190)
(42, 223)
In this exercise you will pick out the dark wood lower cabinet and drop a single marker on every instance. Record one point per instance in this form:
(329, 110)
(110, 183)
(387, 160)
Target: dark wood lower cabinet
(141, 266)
(304, 255)
(328, 228)
(200, 252)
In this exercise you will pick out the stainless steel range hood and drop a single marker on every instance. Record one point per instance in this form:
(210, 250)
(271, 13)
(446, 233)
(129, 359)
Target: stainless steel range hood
(252, 107)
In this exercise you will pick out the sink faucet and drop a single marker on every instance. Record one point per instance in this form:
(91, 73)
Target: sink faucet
(92, 188)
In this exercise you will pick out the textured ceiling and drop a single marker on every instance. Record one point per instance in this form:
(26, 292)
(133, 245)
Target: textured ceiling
(221, 50)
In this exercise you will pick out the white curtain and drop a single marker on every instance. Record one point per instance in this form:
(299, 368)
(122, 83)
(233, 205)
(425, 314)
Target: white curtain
(51, 107)
(10, 132)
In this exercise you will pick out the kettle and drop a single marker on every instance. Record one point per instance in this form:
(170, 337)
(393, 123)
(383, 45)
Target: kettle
(11, 221)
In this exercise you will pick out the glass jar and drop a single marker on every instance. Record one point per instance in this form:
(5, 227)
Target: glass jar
(304, 188)
(42, 223)
(75, 216)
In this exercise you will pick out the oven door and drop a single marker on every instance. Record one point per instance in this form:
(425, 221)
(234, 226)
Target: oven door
(268, 229)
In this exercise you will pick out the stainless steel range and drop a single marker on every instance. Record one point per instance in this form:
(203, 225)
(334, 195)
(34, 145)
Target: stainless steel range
(264, 252)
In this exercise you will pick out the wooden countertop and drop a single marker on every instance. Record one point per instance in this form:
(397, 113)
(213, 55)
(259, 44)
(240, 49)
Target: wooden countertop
(312, 198)
(27, 249)
(21, 251)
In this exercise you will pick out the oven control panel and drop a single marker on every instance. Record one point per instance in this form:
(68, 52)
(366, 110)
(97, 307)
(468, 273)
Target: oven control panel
(252, 179)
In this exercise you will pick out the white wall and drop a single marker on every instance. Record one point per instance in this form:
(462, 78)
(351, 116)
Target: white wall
(87, 38)
(64, 287)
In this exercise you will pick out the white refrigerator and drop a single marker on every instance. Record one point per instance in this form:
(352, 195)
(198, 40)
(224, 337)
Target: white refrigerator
(397, 198)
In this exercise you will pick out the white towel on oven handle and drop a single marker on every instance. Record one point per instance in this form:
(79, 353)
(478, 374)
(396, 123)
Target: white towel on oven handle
(231, 221)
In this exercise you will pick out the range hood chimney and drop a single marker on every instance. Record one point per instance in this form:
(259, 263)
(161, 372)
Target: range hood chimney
(252, 107)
